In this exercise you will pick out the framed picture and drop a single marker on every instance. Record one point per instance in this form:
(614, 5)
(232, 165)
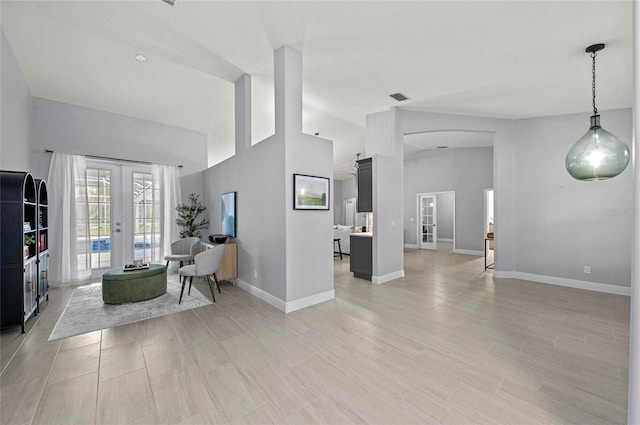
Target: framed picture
(229, 224)
(310, 192)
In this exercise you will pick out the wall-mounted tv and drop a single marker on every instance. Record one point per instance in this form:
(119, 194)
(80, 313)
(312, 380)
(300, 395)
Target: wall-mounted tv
(229, 223)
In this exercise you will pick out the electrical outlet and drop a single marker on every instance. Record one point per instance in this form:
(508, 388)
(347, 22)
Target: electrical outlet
(587, 269)
(255, 273)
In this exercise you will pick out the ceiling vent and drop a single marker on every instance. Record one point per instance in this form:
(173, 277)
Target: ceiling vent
(399, 97)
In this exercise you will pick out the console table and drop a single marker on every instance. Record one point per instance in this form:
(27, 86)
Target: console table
(228, 269)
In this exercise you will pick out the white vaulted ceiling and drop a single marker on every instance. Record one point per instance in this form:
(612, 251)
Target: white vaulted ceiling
(503, 59)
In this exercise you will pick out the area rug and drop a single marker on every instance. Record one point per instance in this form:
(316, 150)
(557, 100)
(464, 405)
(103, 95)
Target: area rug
(85, 311)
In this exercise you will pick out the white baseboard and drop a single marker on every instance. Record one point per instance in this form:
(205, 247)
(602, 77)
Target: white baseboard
(561, 281)
(411, 246)
(301, 303)
(445, 240)
(264, 296)
(290, 306)
(387, 277)
(469, 252)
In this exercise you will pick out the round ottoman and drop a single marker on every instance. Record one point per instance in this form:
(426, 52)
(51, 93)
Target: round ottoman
(120, 287)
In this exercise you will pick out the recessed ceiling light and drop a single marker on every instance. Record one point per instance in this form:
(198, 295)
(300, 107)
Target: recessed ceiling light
(399, 96)
(443, 147)
(141, 58)
(171, 2)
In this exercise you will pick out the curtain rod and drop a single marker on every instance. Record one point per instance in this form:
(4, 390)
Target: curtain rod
(114, 159)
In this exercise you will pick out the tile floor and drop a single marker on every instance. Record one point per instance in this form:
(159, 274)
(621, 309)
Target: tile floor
(447, 344)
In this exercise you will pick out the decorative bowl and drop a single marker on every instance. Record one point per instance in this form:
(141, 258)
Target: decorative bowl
(217, 238)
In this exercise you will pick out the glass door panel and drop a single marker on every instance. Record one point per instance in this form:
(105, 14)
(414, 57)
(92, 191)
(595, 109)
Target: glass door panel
(123, 221)
(428, 234)
(98, 188)
(146, 218)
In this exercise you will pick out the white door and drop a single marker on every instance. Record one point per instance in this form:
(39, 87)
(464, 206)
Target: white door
(124, 220)
(428, 235)
(350, 211)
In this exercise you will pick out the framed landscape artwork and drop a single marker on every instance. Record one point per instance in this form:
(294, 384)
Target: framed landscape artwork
(310, 192)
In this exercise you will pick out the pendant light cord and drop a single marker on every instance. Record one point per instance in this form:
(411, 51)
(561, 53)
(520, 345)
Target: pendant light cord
(593, 82)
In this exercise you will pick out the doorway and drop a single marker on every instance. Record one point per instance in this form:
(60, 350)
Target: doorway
(436, 220)
(488, 211)
(488, 219)
(123, 220)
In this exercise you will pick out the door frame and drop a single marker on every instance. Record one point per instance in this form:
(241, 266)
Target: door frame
(419, 217)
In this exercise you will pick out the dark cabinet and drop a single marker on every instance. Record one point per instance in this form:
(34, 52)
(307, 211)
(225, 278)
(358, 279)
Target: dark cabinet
(361, 257)
(365, 185)
(18, 248)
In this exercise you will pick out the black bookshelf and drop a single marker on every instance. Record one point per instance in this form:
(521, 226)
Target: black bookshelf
(18, 248)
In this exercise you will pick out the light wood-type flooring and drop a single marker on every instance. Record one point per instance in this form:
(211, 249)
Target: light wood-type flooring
(448, 344)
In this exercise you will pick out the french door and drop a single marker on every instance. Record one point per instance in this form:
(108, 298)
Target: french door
(123, 220)
(428, 234)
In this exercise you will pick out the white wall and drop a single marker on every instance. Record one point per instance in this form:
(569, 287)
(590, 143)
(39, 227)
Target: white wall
(309, 234)
(633, 406)
(290, 251)
(564, 224)
(388, 244)
(467, 172)
(384, 143)
(193, 183)
(338, 202)
(257, 175)
(444, 205)
(75, 129)
(349, 188)
(548, 226)
(16, 114)
(285, 256)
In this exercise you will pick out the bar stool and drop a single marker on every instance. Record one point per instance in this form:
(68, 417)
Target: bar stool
(337, 253)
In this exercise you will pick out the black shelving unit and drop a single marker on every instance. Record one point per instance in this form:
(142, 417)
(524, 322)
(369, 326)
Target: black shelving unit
(18, 248)
(42, 242)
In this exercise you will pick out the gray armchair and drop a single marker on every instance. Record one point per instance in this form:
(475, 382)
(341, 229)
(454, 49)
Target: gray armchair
(205, 264)
(183, 250)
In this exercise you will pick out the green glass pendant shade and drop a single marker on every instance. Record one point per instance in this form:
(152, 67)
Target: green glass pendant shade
(598, 155)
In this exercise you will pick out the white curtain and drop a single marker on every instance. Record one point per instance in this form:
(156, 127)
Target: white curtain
(167, 178)
(68, 218)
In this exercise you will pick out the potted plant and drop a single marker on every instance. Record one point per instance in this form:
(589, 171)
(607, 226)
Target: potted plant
(27, 240)
(188, 217)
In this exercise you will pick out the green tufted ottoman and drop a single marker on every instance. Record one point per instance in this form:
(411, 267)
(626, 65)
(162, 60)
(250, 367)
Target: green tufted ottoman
(120, 287)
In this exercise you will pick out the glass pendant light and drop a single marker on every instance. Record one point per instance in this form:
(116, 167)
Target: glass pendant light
(598, 155)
